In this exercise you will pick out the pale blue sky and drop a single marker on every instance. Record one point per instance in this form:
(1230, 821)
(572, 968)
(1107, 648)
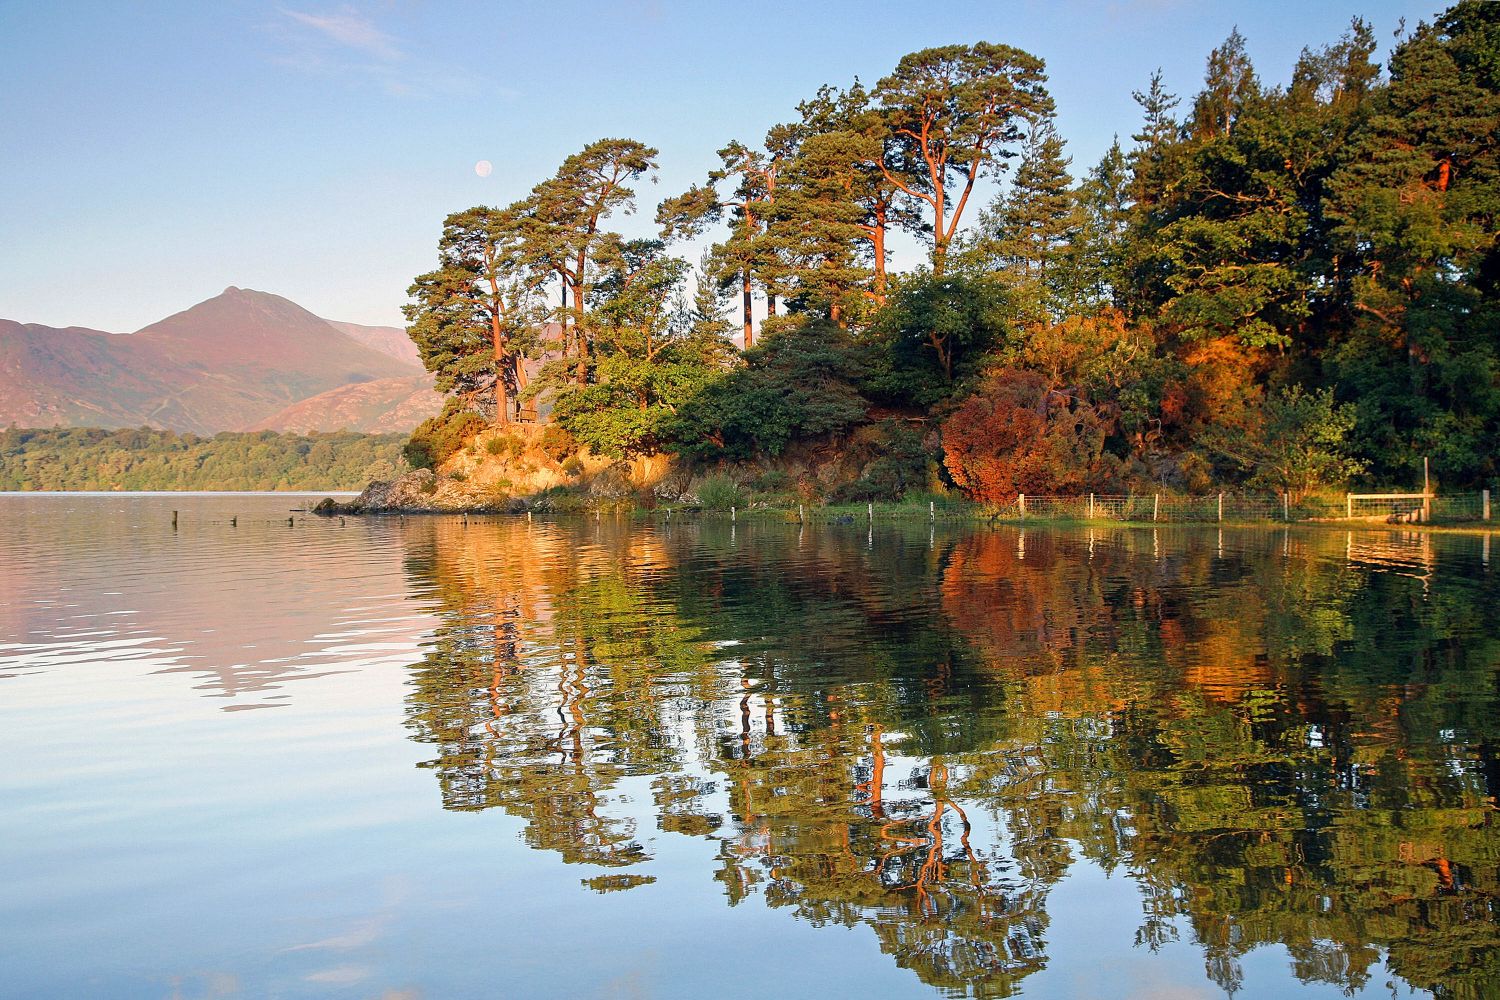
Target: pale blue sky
(153, 153)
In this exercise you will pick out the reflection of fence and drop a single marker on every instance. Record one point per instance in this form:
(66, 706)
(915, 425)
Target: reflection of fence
(1252, 507)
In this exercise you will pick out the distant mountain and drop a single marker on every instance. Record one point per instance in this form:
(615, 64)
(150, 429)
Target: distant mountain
(230, 363)
(372, 407)
(390, 340)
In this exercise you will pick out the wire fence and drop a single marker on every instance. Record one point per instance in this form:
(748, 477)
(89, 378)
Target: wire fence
(1159, 507)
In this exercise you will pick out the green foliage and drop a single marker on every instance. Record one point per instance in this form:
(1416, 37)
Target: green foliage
(1294, 442)
(798, 384)
(438, 438)
(148, 459)
(932, 331)
(720, 493)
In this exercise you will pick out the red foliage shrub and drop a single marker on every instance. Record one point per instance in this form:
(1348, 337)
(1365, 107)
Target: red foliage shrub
(1017, 435)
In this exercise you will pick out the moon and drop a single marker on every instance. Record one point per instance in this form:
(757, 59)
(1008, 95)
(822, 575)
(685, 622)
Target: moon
(483, 168)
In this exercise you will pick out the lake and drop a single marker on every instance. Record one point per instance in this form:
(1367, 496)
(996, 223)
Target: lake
(404, 758)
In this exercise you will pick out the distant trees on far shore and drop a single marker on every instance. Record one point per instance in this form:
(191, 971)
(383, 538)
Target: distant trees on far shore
(145, 458)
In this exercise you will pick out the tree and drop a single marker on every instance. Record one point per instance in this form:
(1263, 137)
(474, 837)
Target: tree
(951, 114)
(1414, 222)
(944, 323)
(652, 353)
(473, 318)
(1025, 233)
(1294, 442)
(744, 255)
(561, 224)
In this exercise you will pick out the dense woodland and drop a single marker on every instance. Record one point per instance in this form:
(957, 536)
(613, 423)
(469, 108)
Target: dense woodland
(1285, 287)
(149, 459)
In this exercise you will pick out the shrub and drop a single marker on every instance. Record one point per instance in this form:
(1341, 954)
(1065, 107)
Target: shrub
(438, 438)
(495, 445)
(720, 493)
(1018, 435)
(572, 465)
(797, 384)
(556, 442)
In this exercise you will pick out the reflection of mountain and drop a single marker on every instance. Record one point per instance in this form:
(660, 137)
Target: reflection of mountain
(230, 362)
(921, 735)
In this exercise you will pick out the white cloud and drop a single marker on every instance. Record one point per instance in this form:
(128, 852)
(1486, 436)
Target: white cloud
(351, 30)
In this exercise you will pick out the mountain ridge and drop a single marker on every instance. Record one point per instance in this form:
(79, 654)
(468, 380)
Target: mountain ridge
(231, 362)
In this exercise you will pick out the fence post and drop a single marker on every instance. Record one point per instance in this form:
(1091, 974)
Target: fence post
(1091, 506)
(1022, 500)
(733, 513)
(1155, 505)
(932, 510)
(1485, 504)
(872, 511)
(1221, 506)
(1349, 506)
(1286, 506)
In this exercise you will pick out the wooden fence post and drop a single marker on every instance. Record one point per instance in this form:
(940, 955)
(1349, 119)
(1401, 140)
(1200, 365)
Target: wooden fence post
(1155, 505)
(1349, 506)
(1486, 504)
(1022, 501)
(1286, 506)
(932, 510)
(1091, 506)
(1221, 506)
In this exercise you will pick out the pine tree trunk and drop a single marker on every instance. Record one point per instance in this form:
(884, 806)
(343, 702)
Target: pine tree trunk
(745, 291)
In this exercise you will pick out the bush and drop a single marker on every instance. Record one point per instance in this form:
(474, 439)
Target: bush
(495, 445)
(796, 384)
(720, 493)
(556, 442)
(572, 465)
(1018, 435)
(438, 438)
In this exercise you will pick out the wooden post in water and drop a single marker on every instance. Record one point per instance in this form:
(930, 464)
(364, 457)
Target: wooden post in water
(1426, 491)
(174, 520)
(289, 522)
(872, 511)
(234, 522)
(733, 514)
(1221, 506)
(1021, 499)
(1091, 506)
(1155, 505)
(1485, 504)
(1286, 506)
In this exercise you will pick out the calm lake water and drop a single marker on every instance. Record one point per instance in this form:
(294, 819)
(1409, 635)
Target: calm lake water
(611, 759)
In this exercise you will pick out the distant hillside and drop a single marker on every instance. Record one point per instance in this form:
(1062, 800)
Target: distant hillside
(229, 363)
(390, 340)
(370, 407)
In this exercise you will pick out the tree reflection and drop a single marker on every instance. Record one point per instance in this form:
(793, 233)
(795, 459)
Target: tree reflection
(1286, 741)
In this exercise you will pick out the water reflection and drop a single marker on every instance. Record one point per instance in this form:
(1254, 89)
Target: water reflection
(1279, 738)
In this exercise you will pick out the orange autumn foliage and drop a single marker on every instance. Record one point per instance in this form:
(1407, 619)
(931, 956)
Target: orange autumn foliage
(1017, 435)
